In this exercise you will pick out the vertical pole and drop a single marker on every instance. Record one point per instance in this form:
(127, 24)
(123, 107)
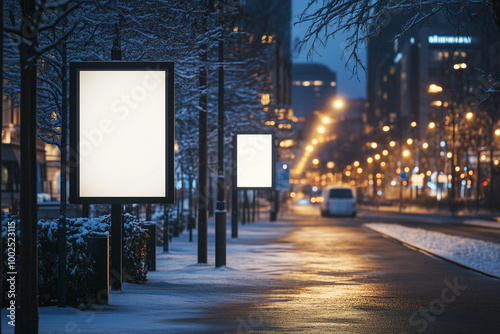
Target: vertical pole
(234, 195)
(27, 307)
(220, 213)
(116, 247)
(1, 129)
(61, 269)
(203, 160)
(453, 163)
(116, 209)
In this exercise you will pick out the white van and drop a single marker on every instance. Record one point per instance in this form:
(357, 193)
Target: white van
(338, 201)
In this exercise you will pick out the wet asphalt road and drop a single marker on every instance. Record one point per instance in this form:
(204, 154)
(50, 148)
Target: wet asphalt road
(348, 279)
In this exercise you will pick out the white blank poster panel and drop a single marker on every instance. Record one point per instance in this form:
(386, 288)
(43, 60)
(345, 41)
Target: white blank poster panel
(254, 156)
(122, 133)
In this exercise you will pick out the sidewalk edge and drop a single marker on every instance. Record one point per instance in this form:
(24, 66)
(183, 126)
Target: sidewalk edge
(422, 250)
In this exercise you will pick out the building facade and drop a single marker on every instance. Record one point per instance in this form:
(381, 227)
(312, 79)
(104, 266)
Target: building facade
(313, 87)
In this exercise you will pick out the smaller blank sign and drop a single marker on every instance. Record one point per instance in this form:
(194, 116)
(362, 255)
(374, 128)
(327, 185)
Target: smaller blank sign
(254, 160)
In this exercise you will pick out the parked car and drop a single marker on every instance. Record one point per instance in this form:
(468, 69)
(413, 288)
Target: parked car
(338, 201)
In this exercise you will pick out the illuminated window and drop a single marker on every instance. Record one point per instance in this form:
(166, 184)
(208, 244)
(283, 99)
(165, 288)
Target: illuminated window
(306, 83)
(318, 83)
(333, 84)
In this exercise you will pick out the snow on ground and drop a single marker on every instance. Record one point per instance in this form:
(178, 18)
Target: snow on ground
(477, 254)
(182, 290)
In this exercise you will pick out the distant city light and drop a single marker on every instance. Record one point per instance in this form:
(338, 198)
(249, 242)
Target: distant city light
(392, 143)
(469, 115)
(406, 153)
(386, 128)
(433, 88)
(435, 39)
(330, 164)
(374, 145)
(338, 103)
(413, 124)
(315, 161)
(309, 148)
(432, 125)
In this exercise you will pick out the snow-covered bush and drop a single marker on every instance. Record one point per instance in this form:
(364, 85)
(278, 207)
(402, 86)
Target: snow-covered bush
(134, 247)
(80, 269)
(80, 273)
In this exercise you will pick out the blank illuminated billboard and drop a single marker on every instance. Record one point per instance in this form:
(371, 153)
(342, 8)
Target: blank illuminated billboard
(122, 132)
(254, 160)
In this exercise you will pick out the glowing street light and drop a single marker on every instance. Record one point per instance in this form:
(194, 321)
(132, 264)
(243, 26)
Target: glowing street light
(469, 115)
(406, 153)
(338, 103)
(321, 129)
(432, 125)
(315, 161)
(386, 128)
(309, 148)
(330, 164)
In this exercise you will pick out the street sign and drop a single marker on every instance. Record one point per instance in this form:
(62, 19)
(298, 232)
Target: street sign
(403, 176)
(122, 132)
(282, 177)
(254, 160)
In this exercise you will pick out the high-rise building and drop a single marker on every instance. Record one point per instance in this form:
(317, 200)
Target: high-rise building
(313, 87)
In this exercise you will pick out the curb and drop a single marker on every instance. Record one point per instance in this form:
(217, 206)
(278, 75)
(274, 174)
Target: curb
(482, 223)
(426, 252)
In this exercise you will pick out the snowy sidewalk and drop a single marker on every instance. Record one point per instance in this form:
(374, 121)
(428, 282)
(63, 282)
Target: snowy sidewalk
(176, 297)
(479, 255)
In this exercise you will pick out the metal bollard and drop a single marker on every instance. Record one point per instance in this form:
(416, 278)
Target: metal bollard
(98, 248)
(166, 234)
(150, 246)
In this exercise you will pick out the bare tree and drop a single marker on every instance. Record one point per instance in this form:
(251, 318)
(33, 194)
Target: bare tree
(363, 20)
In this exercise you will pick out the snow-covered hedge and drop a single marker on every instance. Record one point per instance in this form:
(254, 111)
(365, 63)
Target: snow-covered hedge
(80, 270)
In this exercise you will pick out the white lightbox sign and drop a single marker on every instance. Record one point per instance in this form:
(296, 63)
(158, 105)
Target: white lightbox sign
(254, 160)
(122, 132)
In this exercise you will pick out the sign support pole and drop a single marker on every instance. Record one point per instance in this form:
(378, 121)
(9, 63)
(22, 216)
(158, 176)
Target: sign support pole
(116, 209)
(234, 196)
